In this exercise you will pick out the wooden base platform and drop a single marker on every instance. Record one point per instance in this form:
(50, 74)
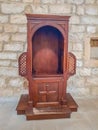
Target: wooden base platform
(62, 111)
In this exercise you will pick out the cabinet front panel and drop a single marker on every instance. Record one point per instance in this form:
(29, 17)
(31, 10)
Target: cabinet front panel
(48, 92)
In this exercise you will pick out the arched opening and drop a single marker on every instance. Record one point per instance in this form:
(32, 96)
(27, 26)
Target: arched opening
(47, 51)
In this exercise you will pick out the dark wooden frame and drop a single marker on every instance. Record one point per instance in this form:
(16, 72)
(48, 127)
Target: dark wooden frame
(29, 103)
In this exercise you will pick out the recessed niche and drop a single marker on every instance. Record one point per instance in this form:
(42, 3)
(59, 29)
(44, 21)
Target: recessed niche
(91, 51)
(94, 48)
(48, 44)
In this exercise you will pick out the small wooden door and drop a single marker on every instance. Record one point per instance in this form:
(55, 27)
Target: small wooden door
(48, 92)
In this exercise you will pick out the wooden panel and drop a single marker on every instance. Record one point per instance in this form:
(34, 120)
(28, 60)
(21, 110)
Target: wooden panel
(42, 92)
(52, 92)
(48, 92)
(46, 113)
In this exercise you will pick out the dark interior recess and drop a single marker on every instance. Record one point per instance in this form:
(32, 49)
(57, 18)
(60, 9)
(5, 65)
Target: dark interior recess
(47, 51)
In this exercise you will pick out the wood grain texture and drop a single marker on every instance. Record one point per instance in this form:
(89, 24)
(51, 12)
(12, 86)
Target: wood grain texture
(60, 111)
(47, 65)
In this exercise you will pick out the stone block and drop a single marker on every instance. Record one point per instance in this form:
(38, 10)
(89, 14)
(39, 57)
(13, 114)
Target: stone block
(25, 47)
(19, 37)
(2, 82)
(28, 9)
(95, 71)
(94, 90)
(10, 28)
(11, 0)
(78, 91)
(4, 62)
(60, 1)
(22, 29)
(8, 71)
(43, 9)
(18, 19)
(4, 37)
(93, 80)
(79, 55)
(73, 9)
(91, 10)
(14, 63)
(85, 72)
(79, 63)
(8, 56)
(13, 47)
(16, 82)
(79, 84)
(77, 47)
(78, 2)
(3, 18)
(76, 37)
(78, 69)
(90, 1)
(1, 46)
(12, 8)
(89, 20)
(74, 19)
(91, 29)
(48, 1)
(36, 2)
(1, 28)
(60, 9)
(80, 10)
(31, 1)
(77, 28)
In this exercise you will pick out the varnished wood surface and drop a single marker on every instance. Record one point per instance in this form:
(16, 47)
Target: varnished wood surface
(46, 112)
(47, 67)
(48, 17)
(45, 51)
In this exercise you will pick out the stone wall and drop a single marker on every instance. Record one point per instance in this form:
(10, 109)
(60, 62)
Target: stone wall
(13, 41)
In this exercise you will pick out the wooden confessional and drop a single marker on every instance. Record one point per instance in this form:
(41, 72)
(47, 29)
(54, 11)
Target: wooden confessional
(47, 65)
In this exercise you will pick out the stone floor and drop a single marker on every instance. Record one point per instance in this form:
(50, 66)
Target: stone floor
(85, 119)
